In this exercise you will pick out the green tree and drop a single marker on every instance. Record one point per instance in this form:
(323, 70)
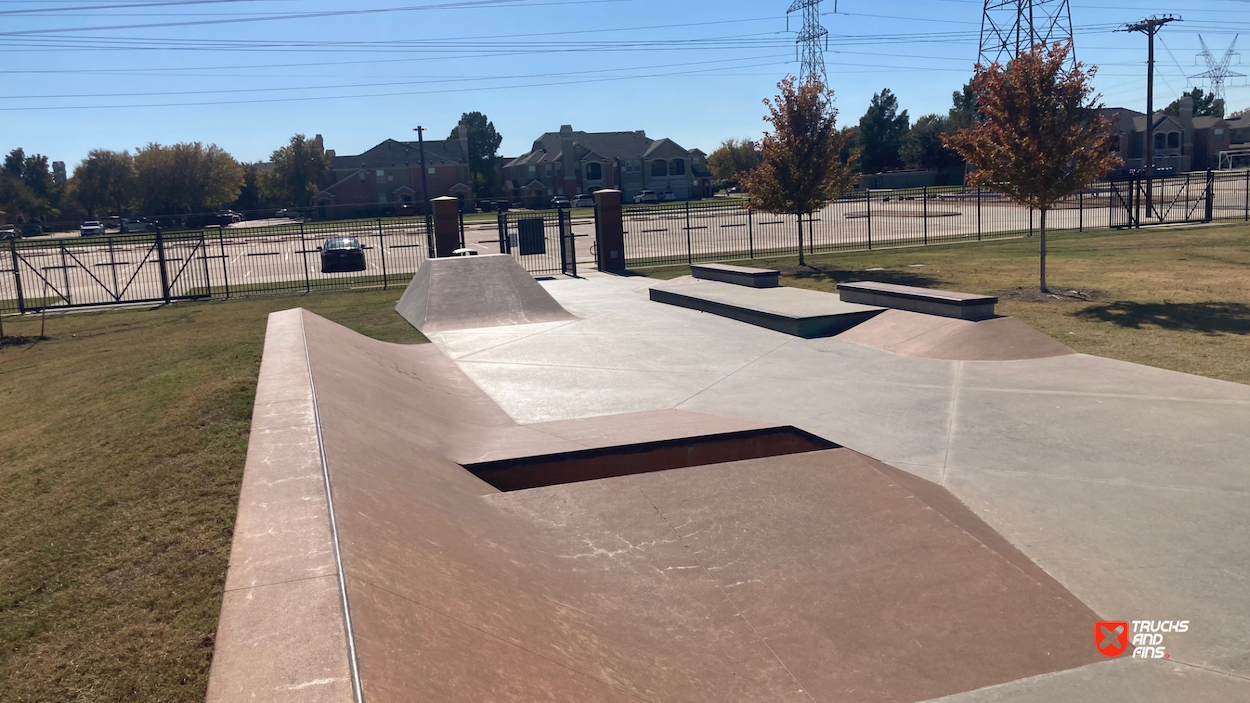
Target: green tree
(186, 178)
(1205, 104)
(106, 179)
(17, 200)
(297, 171)
(733, 158)
(1040, 136)
(251, 195)
(14, 162)
(923, 147)
(484, 141)
(881, 132)
(801, 171)
(963, 110)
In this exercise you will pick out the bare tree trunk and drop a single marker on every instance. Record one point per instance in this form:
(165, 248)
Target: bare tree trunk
(801, 261)
(1042, 234)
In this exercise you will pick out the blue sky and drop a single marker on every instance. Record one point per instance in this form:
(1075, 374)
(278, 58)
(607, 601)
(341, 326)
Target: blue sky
(247, 74)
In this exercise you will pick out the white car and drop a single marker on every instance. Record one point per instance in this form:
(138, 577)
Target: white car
(646, 196)
(583, 200)
(91, 228)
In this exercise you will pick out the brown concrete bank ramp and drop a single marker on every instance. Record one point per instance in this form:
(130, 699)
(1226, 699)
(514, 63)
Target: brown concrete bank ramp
(469, 292)
(368, 560)
(935, 337)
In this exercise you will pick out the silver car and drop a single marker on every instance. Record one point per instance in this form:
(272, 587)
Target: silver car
(91, 228)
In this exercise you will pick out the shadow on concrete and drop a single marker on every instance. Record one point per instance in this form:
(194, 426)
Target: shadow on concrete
(1210, 318)
(836, 275)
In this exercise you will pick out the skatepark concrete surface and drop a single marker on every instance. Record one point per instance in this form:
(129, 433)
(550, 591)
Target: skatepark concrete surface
(1128, 484)
(476, 291)
(935, 337)
(1030, 499)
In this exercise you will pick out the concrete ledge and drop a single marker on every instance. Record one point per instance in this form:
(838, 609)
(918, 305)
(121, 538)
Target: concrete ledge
(737, 275)
(795, 311)
(963, 306)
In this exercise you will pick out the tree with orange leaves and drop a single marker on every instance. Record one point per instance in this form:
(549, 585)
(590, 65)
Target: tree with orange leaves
(1041, 136)
(801, 171)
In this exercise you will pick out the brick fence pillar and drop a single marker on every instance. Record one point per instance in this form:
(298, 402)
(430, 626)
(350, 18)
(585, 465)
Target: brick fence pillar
(446, 226)
(609, 231)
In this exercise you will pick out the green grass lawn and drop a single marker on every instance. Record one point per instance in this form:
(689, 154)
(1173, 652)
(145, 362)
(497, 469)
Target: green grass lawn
(1173, 298)
(122, 443)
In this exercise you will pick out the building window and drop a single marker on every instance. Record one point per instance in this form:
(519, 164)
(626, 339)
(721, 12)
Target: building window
(1160, 141)
(431, 169)
(380, 173)
(1219, 133)
(548, 170)
(594, 172)
(659, 168)
(382, 198)
(677, 167)
(1174, 140)
(533, 171)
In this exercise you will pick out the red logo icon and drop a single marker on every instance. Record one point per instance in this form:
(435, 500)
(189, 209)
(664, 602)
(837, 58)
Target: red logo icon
(1111, 638)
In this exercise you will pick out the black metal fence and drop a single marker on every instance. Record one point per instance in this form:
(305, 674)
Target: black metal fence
(542, 241)
(679, 233)
(68, 272)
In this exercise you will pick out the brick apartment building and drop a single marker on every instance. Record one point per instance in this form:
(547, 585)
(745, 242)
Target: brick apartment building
(1185, 143)
(388, 177)
(570, 162)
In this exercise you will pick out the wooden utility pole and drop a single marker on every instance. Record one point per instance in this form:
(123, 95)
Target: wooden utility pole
(1150, 27)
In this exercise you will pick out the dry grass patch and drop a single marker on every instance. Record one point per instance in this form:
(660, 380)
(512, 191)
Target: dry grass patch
(121, 451)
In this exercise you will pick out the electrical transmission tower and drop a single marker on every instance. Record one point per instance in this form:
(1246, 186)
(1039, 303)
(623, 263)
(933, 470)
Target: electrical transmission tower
(813, 40)
(1012, 27)
(1218, 71)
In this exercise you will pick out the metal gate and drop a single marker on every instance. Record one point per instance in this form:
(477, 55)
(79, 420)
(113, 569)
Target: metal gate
(542, 242)
(72, 273)
(1138, 201)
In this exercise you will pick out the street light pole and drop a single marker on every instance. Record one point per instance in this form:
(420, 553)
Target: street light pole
(1150, 27)
(425, 186)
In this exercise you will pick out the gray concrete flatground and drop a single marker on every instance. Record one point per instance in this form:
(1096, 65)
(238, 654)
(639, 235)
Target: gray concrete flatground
(1130, 485)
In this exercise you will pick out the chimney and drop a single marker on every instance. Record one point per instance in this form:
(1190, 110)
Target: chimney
(569, 184)
(566, 130)
(1187, 130)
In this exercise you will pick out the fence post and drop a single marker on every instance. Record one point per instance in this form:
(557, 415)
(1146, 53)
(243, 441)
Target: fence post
(1030, 222)
(208, 278)
(1248, 195)
(750, 230)
(225, 275)
(303, 247)
(1210, 196)
(978, 213)
(160, 257)
(689, 245)
(502, 221)
(113, 266)
(1080, 211)
(382, 250)
(925, 195)
(17, 277)
(69, 296)
(868, 203)
(461, 229)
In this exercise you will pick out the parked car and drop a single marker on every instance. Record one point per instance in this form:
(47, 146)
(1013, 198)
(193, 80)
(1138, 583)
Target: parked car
(559, 202)
(646, 196)
(32, 229)
(284, 213)
(135, 224)
(8, 232)
(667, 196)
(229, 217)
(91, 228)
(341, 255)
(583, 200)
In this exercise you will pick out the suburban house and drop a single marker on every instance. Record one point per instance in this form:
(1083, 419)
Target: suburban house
(1184, 143)
(568, 162)
(388, 177)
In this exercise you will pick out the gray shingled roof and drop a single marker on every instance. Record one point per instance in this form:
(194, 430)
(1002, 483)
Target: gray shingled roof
(437, 153)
